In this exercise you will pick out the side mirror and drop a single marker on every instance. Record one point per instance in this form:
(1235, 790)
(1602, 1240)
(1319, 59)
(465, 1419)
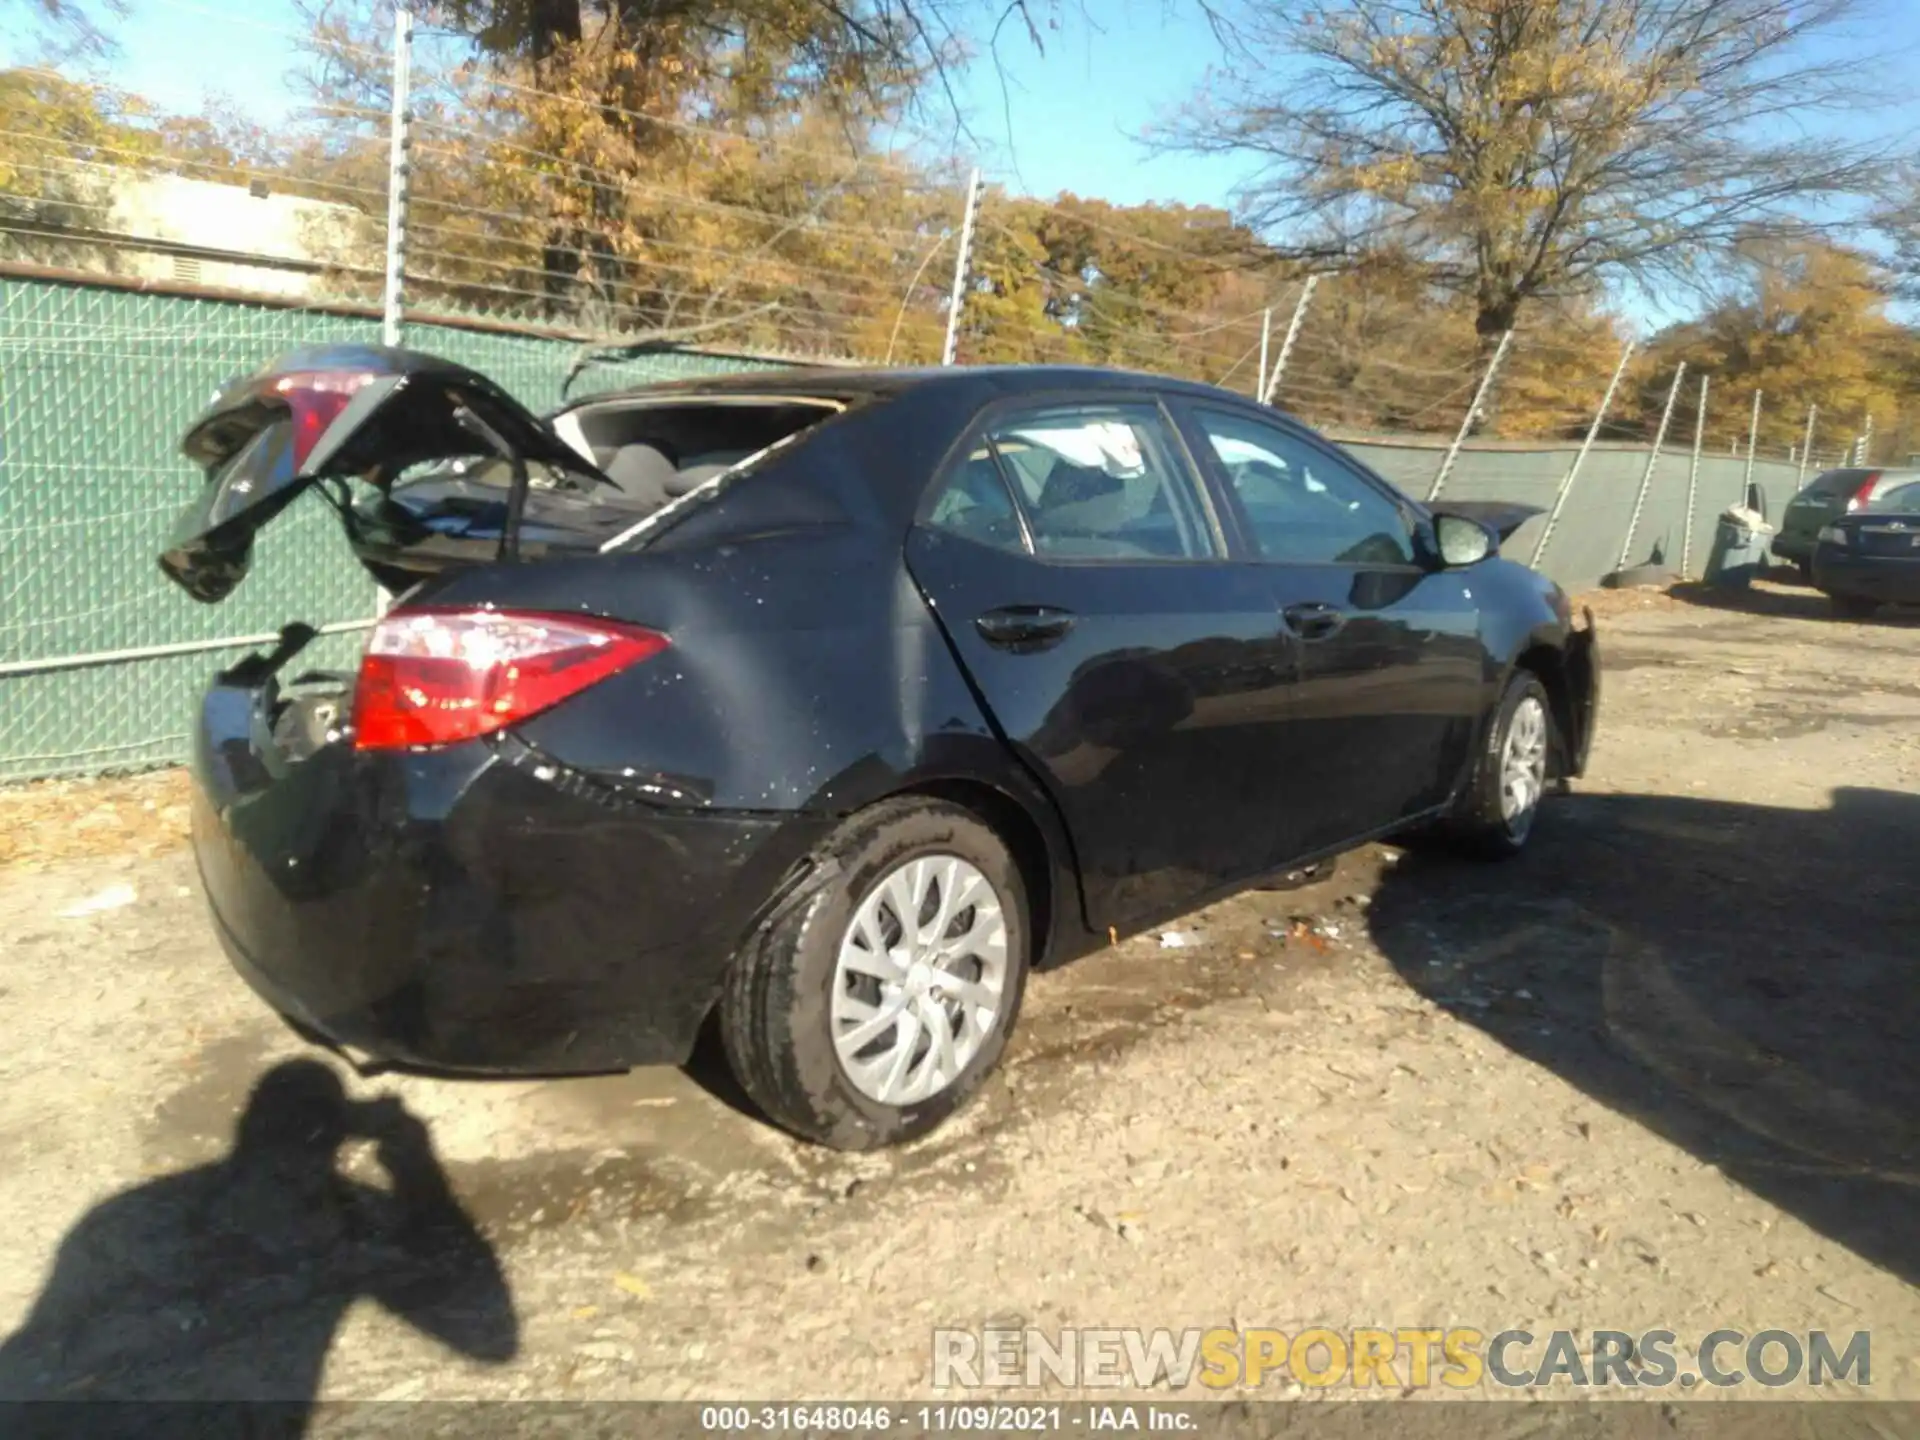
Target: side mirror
(1461, 541)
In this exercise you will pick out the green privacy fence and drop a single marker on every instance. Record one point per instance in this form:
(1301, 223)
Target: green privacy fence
(96, 386)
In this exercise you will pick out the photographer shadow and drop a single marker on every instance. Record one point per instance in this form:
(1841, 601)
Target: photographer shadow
(227, 1282)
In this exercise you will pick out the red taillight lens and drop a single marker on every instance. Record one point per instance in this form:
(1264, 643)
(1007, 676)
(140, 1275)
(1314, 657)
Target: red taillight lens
(316, 398)
(435, 677)
(1864, 493)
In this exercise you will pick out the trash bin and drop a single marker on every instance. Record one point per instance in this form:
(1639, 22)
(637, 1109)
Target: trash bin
(1739, 547)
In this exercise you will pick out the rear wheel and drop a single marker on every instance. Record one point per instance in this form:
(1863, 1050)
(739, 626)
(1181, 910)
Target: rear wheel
(872, 1004)
(1496, 813)
(1852, 607)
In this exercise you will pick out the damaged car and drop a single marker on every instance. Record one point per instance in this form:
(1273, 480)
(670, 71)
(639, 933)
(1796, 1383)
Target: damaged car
(824, 705)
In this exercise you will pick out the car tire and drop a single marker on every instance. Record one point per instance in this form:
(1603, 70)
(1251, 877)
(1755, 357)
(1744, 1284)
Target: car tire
(1852, 607)
(1520, 737)
(805, 980)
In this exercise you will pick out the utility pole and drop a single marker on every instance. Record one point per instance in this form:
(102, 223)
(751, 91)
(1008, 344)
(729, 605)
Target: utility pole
(399, 140)
(1286, 345)
(1579, 459)
(1806, 446)
(962, 268)
(1693, 482)
(1863, 452)
(1473, 413)
(1653, 459)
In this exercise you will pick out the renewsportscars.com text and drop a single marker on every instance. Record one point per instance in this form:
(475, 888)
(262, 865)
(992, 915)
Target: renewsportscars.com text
(1455, 1358)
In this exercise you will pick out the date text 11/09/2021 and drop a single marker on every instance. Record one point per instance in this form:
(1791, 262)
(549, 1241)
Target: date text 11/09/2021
(942, 1419)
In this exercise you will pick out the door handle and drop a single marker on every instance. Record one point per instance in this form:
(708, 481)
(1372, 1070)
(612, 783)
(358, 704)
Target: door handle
(1024, 626)
(1314, 619)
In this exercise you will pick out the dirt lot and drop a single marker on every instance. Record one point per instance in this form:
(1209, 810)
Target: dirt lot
(1661, 1073)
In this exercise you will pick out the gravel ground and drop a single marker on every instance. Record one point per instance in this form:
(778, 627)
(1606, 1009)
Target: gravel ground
(1659, 1073)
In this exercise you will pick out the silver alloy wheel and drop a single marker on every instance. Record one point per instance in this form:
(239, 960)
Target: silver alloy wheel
(1523, 765)
(920, 982)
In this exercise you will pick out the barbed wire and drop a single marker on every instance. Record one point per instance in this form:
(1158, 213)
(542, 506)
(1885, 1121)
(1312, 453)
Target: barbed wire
(648, 240)
(627, 183)
(765, 273)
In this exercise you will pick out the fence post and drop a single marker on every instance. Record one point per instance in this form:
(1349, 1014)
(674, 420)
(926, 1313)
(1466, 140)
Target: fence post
(1806, 448)
(1753, 434)
(1653, 459)
(1293, 334)
(1579, 459)
(962, 268)
(1473, 412)
(399, 139)
(1266, 337)
(1693, 481)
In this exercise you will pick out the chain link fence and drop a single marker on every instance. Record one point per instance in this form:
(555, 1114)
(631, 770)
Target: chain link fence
(101, 658)
(96, 387)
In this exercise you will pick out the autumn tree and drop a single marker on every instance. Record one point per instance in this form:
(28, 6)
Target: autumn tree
(1806, 324)
(1534, 149)
(62, 143)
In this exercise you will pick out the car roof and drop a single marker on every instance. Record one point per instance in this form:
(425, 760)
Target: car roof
(979, 381)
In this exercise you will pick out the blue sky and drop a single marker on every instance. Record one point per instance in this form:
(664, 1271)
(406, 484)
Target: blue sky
(1067, 118)
(1075, 109)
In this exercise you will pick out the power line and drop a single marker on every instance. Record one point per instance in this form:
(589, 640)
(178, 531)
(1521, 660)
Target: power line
(629, 184)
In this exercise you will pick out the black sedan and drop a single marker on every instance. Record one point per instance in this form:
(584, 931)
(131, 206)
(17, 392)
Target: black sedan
(832, 702)
(1871, 557)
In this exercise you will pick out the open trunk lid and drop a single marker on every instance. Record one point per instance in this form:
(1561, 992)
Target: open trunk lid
(340, 412)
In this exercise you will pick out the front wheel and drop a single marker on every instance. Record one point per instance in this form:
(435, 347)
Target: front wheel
(1496, 813)
(870, 1005)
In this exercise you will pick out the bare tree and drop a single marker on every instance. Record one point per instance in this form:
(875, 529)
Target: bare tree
(1900, 222)
(1534, 149)
(63, 29)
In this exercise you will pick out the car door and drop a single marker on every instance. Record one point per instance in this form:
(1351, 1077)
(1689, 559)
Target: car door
(1391, 675)
(1081, 574)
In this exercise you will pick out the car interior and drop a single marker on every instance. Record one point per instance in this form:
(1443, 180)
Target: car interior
(658, 452)
(653, 453)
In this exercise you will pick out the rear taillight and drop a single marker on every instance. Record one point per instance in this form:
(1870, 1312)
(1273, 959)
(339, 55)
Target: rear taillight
(436, 677)
(315, 399)
(1864, 493)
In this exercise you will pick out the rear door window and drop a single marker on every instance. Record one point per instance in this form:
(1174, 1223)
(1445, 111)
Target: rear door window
(973, 503)
(1103, 482)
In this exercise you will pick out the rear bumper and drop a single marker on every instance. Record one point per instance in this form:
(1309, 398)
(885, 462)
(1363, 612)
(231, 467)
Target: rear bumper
(1890, 578)
(474, 909)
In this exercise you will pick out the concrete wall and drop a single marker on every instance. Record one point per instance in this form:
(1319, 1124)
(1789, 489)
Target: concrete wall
(230, 217)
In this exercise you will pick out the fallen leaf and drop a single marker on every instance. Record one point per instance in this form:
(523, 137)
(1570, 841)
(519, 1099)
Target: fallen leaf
(633, 1285)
